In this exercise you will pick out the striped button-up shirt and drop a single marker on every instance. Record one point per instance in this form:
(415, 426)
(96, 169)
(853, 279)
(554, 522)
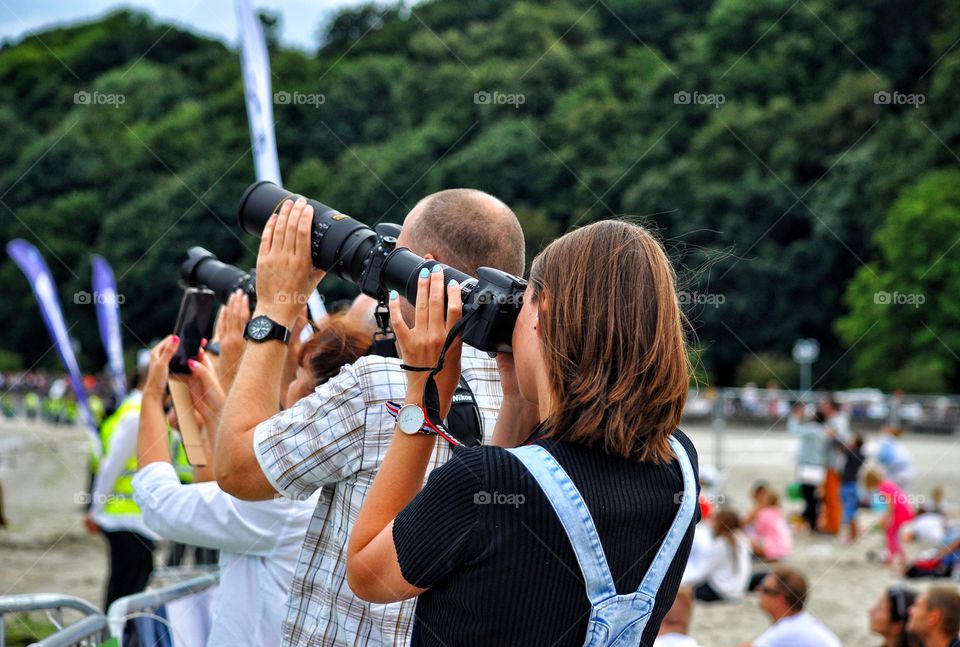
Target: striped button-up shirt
(336, 439)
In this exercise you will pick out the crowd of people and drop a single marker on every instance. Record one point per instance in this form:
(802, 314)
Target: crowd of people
(351, 497)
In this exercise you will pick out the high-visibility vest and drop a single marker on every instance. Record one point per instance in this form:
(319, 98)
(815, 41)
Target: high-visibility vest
(96, 407)
(121, 501)
(180, 463)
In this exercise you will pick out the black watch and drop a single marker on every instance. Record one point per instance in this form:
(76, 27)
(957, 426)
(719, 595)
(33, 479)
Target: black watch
(263, 328)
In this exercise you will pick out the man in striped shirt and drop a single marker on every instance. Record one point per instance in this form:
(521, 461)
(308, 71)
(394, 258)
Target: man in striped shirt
(335, 438)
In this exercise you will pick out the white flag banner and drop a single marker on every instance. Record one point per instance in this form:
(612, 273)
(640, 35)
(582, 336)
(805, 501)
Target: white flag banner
(255, 63)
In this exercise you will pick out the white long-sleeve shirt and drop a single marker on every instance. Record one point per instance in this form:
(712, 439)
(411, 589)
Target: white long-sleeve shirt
(123, 447)
(259, 542)
(726, 570)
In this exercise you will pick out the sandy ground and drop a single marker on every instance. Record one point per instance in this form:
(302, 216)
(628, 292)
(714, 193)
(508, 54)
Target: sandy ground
(46, 548)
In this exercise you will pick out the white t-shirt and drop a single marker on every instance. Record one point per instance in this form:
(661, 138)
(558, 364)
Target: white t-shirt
(258, 541)
(726, 569)
(800, 630)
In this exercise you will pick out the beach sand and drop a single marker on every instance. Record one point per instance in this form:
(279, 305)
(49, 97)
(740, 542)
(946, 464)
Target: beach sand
(46, 548)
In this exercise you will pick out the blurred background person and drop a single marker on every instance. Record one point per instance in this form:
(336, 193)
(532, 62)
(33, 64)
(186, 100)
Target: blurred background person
(894, 457)
(811, 460)
(766, 525)
(783, 597)
(725, 572)
(113, 511)
(888, 617)
(930, 527)
(896, 511)
(935, 617)
(837, 428)
(850, 486)
(675, 627)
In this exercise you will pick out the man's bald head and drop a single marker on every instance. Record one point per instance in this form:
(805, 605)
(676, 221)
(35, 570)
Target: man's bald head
(465, 229)
(677, 620)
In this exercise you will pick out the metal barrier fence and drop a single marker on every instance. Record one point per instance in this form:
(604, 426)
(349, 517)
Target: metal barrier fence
(868, 409)
(92, 627)
(149, 601)
(96, 627)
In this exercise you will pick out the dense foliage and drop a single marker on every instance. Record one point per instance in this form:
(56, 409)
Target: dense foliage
(748, 132)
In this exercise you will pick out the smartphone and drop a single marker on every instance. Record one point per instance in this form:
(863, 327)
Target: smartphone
(194, 323)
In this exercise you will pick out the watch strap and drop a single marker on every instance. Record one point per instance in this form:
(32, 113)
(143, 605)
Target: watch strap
(393, 408)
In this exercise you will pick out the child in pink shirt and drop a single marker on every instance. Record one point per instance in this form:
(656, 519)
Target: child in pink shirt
(768, 529)
(898, 512)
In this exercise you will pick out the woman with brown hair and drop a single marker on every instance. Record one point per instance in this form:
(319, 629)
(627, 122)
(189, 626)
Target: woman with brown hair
(582, 529)
(336, 342)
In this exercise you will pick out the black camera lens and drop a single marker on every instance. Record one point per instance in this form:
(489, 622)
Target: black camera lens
(202, 268)
(371, 260)
(339, 243)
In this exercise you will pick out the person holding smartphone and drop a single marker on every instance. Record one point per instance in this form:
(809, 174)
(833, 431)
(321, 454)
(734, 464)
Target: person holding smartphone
(258, 540)
(531, 544)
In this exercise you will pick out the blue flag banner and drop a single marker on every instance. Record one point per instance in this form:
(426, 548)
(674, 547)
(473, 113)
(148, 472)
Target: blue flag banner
(38, 275)
(107, 302)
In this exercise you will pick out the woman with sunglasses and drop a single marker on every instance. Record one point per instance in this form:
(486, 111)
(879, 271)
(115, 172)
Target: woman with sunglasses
(593, 395)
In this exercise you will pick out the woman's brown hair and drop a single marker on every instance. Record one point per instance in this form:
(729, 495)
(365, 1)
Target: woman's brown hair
(332, 346)
(612, 338)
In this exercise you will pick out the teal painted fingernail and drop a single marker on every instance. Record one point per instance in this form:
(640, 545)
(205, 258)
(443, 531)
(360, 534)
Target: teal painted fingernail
(393, 295)
(436, 268)
(424, 273)
(453, 283)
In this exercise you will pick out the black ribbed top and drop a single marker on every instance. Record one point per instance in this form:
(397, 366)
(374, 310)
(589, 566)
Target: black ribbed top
(482, 537)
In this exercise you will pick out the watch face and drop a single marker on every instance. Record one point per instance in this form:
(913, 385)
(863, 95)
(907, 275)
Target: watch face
(260, 328)
(410, 418)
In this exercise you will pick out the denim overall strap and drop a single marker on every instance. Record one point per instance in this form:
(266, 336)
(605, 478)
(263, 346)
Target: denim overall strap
(574, 516)
(681, 524)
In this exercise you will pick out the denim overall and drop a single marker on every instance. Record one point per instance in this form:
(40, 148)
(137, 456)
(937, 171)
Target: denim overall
(615, 620)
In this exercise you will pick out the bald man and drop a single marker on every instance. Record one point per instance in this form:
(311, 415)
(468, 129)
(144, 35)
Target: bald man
(336, 437)
(675, 627)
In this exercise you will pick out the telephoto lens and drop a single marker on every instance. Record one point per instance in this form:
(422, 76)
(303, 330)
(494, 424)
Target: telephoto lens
(202, 268)
(371, 260)
(339, 243)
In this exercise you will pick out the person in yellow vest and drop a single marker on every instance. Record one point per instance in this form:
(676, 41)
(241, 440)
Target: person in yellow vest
(112, 508)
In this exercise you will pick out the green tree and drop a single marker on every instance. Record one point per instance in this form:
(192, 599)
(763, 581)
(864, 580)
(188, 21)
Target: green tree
(903, 306)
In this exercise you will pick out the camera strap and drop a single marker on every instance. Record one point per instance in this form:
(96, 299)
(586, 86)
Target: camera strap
(431, 397)
(384, 341)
